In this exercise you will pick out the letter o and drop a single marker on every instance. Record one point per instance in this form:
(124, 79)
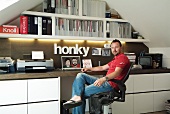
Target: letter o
(65, 50)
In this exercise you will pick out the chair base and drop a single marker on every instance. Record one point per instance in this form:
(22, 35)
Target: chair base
(94, 106)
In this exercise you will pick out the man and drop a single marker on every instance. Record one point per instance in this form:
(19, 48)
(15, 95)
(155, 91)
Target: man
(75, 63)
(117, 69)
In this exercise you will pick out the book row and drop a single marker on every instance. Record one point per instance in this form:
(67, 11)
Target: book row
(30, 24)
(71, 27)
(70, 7)
(35, 25)
(94, 8)
(118, 29)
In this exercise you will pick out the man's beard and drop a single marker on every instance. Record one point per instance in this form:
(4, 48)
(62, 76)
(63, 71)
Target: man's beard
(117, 53)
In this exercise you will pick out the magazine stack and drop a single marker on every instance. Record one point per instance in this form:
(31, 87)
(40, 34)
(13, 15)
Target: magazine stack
(167, 106)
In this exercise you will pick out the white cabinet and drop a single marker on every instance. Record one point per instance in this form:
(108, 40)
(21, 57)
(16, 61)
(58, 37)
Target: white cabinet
(32, 96)
(161, 81)
(143, 103)
(123, 107)
(44, 108)
(145, 93)
(44, 96)
(143, 82)
(14, 109)
(13, 92)
(43, 89)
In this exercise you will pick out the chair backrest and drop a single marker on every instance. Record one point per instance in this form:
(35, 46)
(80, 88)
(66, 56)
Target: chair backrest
(127, 75)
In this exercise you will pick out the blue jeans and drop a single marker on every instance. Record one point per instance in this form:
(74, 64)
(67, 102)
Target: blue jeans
(79, 89)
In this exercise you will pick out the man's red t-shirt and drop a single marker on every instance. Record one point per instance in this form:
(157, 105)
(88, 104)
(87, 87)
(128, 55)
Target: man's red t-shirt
(121, 61)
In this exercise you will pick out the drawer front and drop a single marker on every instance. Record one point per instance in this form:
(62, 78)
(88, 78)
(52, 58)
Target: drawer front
(143, 103)
(43, 89)
(161, 81)
(14, 109)
(13, 92)
(44, 108)
(143, 83)
(123, 107)
(159, 100)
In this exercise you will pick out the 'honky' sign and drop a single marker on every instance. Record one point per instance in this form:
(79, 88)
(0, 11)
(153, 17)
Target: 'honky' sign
(71, 50)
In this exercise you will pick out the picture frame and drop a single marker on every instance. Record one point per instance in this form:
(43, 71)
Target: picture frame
(70, 62)
(106, 52)
(96, 51)
(87, 63)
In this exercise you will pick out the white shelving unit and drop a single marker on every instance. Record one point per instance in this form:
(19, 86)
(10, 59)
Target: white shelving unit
(64, 16)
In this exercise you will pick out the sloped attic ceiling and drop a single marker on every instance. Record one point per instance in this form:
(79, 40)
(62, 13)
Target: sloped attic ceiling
(13, 11)
(151, 18)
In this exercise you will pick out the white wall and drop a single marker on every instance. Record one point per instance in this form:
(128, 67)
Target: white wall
(149, 17)
(166, 55)
(12, 12)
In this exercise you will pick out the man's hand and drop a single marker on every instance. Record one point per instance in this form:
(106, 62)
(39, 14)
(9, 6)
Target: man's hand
(85, 69)
(99, 81)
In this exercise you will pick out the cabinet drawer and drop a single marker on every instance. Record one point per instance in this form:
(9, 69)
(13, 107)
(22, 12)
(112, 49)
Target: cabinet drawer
(159, 100)
(43, 89)
(143, 103)
(14, 109)
(143, 83)
(161, 81)
(123, 107)
(13, 92)
(44, 108)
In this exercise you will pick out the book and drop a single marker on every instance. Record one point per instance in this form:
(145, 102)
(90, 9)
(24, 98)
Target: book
(44, 26)
(39, 25)
(31, 24)
(53, 6)
(45, 6)
(23, 24)
(87, 63)
(49, 26)
(58, 7)
(9, 29)
(35, 25)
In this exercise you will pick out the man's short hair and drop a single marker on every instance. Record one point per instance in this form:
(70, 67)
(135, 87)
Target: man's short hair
(116, 40)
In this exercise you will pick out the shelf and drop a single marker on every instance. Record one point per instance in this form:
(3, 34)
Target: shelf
(116, 20)
(70, 16)
(70, 38)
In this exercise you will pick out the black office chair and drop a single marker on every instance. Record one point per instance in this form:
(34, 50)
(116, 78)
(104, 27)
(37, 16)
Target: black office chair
(97, 101)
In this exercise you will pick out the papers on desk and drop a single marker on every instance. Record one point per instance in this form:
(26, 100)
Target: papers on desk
(39, 68)
(131, 56)
(37, 55)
